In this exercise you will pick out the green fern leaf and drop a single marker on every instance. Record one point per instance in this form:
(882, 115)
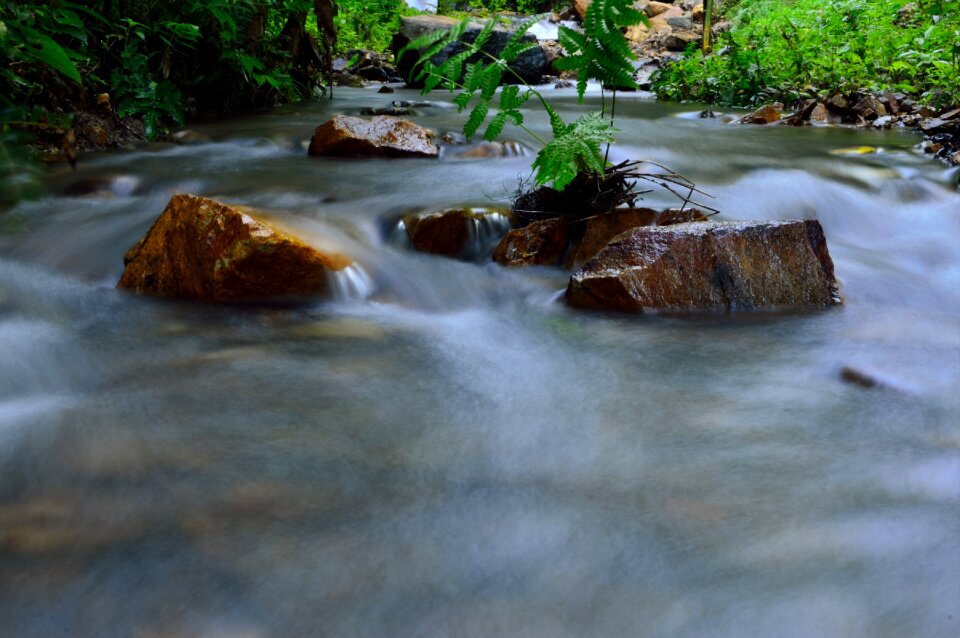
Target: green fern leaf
(496, 126)
(491, 81)
(556, 122)
(473, 77)
(515, 45)
(577, 149)
(484, 34)
(477, 116)
(462, 101)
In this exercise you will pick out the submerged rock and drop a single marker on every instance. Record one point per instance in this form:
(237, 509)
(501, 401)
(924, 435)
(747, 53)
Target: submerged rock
(541, 243)
(465, 233)
(202, 249)
(382, 136)
(709, 265)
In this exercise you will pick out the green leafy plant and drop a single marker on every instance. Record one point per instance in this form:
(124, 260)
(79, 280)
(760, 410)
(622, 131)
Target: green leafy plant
(599, 53)
(789, 50)
(574, 159)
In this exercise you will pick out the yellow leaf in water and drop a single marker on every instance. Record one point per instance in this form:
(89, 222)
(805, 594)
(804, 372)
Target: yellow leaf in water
(855, 150)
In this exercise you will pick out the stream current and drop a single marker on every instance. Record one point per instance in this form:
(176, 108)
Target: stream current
(447, 450)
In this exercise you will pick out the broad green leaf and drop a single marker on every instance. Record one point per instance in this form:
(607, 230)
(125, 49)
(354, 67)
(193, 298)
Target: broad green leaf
(43, 49)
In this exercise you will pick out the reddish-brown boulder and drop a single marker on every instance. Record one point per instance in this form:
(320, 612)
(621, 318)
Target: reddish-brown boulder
(601, 229)
(201, 249)
(381, 136)
(709, 265)
(541, 243)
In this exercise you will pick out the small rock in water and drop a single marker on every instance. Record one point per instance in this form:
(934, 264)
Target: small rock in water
(768, 114)
(202, 249)
(858, 378)
(385, 89)
(464, 233)
(393, 111)
(381, 136)
(541, 243)
(731, 265)
(706, 114)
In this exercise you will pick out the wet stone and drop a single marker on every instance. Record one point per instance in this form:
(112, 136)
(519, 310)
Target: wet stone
(381, 136)
(463, 233)
(202, 249)
(729, 265)
(541, 243)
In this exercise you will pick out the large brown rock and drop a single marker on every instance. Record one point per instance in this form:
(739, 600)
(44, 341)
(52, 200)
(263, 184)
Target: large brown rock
(381, 136)
(541, 243)
(201, 249)
(709, 265)
(581, 6)
(465, 233)
(599, 230)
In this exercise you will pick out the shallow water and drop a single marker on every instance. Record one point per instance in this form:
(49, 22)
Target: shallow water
(446, 450)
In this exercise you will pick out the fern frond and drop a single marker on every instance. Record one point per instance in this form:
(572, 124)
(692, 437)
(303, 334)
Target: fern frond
(577, 149)
(484, 34)
(475, 121)
(490, 81)
(515, 46)
(556, 122)
(462, 101)
(496, 126)
(473, 77)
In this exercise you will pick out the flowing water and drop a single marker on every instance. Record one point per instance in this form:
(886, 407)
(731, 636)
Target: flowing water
(447, 450)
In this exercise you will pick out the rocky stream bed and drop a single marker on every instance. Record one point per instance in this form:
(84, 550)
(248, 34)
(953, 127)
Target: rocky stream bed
(433, 445)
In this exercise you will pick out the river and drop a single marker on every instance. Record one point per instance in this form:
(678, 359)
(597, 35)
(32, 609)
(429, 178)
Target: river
(447, 450)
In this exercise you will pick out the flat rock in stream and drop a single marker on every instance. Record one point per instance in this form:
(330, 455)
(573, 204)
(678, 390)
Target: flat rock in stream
(202, 249)
(381, 136)
(733, 265)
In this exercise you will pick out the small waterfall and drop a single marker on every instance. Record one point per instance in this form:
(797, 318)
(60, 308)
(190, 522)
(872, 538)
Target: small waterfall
(485, 228)
(398, 236)
(352, 283)
(484, 232)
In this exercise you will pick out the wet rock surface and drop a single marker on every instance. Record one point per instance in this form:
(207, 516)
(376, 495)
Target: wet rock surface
(599, 230)
(541, 243)
(729, 265)
(463, 233)
(205, 250)
(381, 136)
(531, 65)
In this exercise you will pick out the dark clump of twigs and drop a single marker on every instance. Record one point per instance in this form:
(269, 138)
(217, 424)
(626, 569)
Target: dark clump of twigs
(590, 194)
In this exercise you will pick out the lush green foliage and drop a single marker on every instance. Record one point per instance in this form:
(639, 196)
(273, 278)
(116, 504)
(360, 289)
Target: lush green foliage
(790, 50)
(600, 53)
(368, 24)
(158, 60)
(525, 7)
